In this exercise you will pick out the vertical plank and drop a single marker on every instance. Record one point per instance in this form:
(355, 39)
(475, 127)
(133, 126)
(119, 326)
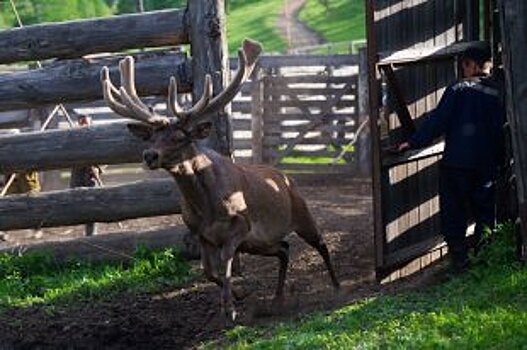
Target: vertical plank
(257, 122)
(363, 148)
(514, 27)
(210, 55)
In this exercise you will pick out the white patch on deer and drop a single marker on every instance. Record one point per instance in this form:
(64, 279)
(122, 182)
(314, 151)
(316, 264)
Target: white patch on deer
(235, 203)
(272, 184)
(201, 162)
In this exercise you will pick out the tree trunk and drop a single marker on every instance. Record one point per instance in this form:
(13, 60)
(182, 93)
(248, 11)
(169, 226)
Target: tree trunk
(210, 55)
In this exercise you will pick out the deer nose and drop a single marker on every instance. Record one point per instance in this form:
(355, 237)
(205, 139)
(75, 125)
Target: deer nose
(151, 158)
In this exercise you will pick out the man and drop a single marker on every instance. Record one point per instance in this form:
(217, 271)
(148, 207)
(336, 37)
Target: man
(86, 176)
(470, 116)
(27, 182)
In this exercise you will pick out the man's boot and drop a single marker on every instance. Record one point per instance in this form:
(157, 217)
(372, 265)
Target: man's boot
(458, 257)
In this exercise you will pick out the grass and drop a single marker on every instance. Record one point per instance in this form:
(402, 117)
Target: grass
(343, 21)
(36, 278)
(255, 19)
(484, 309)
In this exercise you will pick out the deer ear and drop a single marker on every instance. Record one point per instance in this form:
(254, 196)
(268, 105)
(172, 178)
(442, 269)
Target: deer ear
(201, 130)
(144, 132)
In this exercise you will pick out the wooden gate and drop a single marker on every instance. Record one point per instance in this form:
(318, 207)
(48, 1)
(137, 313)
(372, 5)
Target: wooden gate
(304, 113)
(412, 46)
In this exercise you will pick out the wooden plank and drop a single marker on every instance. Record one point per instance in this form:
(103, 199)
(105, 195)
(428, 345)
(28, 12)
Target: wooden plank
(78, 80)
(316, 168)
(312, 79)
(320, 104)
(311, 91)
(257, 121)
(82, 205)
(271, 61)
(293, 115)
(118, 246)
(514, 27)
(78, 38)
(276, 129)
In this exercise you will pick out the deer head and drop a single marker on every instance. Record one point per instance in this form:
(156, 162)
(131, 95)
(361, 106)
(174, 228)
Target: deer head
(169, 135)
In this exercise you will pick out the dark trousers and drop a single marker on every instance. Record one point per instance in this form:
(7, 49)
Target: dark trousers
(465, 191)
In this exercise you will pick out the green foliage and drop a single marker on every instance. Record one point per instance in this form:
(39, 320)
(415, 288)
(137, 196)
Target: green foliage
(483, 309)
(37, 278)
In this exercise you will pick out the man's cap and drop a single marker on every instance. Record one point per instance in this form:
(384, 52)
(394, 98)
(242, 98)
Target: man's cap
(479, 54)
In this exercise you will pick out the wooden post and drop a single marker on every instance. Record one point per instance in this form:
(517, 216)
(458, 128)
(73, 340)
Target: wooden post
(257, 122)
(210, 55)
(363, 148)
(514, 27)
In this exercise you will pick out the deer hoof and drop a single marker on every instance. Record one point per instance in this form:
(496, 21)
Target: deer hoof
(230, 315)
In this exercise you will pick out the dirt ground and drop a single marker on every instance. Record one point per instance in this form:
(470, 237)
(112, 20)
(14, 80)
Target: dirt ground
(186, 317)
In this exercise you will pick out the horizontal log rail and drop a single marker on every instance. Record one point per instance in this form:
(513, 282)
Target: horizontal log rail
(78, 80)
(57, 149)
(82, 205)
(109, 34)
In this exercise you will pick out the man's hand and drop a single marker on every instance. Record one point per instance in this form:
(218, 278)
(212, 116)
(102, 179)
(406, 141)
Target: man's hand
(403, 147)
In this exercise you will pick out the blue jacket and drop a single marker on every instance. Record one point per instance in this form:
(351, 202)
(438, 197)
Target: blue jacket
(470, 116)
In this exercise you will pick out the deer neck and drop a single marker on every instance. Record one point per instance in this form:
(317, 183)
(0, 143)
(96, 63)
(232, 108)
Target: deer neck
(195, 179)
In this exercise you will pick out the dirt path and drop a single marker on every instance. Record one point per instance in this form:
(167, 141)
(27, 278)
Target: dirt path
(295, 33)
(188, 316)
(185, 317)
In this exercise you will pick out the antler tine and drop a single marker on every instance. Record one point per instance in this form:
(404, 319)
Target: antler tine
(247, 57)
(129, 104)
(127, 69)
(173, 106)
(203, 102)
(197, 109)
(109, 90)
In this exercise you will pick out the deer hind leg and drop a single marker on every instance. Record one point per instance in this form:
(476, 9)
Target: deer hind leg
(281, 251)
(307, 229)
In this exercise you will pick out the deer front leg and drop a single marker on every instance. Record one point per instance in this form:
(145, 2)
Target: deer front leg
(238, 229)
(209, 262)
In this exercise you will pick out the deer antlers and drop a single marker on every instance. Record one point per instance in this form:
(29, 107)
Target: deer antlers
(126, 102)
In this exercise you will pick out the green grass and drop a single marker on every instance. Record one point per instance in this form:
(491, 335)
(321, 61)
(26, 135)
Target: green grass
(255, 19)
(483, 309)
(36, 278)
(344, 21)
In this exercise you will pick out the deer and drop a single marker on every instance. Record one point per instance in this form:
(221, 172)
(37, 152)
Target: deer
(231, 208)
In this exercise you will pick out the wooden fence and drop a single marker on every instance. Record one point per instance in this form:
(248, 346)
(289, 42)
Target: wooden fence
(294, 107)
(74, 77)
(299, 113)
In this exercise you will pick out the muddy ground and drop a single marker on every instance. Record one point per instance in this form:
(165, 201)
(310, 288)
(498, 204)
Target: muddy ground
(189, 316)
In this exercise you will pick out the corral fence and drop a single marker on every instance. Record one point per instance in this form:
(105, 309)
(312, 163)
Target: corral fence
(300, 113)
